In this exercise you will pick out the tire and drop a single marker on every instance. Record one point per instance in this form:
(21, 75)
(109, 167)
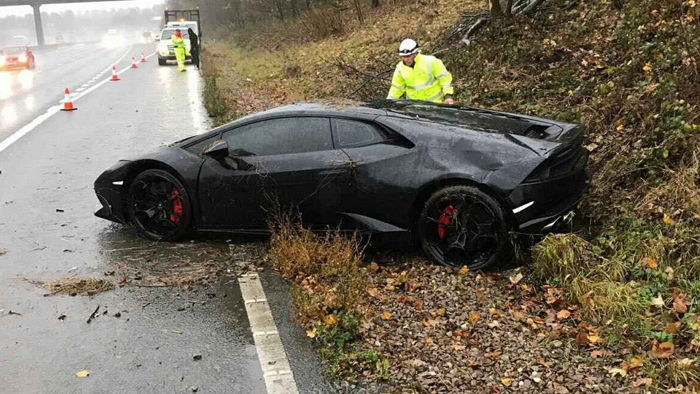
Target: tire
(462, 225)
(159, 206)
(161, 62)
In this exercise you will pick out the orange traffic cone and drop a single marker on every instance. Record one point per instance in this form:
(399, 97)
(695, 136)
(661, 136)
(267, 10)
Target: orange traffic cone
(133, 63)
(67, 103)
(143, 58)
(115, 77)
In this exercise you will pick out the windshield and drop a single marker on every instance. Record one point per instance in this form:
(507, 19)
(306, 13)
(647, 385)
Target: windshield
(12, 51)
(166, 34)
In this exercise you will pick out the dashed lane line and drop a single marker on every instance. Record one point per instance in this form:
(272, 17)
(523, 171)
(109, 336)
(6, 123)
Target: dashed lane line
(277, 373)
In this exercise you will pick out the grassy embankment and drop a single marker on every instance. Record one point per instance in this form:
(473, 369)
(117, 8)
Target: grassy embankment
(630, 76)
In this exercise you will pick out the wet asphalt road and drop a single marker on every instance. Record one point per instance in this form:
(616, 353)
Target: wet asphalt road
(48, 232)
(24, 94)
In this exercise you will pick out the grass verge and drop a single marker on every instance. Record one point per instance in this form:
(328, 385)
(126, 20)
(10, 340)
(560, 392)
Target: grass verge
(329, 281)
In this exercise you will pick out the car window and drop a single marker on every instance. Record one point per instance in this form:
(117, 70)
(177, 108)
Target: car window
(353, 133)
(280, 136)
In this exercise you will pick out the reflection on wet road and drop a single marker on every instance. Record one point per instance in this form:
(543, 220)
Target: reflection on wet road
(24, 94)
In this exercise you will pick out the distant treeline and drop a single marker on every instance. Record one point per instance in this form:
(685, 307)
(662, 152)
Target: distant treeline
(240, 12)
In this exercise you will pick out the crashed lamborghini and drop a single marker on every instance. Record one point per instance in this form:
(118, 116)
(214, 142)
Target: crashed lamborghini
(460, 180)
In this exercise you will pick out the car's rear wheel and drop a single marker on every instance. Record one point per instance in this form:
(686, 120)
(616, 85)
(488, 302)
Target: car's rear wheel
(159, 206)
(462, 225)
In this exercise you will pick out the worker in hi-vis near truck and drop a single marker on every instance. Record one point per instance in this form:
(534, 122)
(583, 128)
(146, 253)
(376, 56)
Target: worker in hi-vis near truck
(179, 48)
(420, 77)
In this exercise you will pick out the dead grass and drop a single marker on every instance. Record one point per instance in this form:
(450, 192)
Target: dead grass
(563, 257)
(327, 268)
(75, 286)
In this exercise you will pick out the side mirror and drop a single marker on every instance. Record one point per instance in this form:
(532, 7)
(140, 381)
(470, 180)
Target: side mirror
(157, 37)
(218, 150)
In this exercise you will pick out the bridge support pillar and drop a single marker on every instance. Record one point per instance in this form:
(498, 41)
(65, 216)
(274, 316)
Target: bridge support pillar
(37, 25)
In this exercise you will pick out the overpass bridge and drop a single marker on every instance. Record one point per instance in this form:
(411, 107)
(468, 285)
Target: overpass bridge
(36, 5)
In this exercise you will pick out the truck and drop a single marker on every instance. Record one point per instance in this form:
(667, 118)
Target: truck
(182, 19)
(177, 19)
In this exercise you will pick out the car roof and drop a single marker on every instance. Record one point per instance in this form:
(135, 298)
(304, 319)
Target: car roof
(334, 107)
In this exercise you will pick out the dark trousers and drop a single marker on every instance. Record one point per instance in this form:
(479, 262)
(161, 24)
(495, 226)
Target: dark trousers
(195, 57)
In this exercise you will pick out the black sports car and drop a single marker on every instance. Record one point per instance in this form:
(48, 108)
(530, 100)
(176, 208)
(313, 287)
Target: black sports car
(459, 179)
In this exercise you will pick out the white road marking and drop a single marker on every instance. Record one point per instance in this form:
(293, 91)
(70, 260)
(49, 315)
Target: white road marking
(4, 144)
(28, 127)
(273, 360)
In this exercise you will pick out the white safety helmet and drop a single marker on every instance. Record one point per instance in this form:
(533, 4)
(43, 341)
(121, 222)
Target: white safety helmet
(408, 47)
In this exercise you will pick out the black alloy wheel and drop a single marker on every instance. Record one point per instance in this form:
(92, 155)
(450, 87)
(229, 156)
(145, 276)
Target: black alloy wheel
(462, 225)
(159, 206)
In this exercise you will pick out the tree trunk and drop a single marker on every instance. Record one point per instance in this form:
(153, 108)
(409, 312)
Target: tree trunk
(495, 9)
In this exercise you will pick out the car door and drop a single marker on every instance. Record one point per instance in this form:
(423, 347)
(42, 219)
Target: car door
(382, 164)
(287, 164)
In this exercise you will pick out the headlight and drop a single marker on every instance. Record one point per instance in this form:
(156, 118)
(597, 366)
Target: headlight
(22, 58)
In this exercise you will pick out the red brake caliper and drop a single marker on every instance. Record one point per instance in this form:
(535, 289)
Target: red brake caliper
(445, 220)
(177, 206)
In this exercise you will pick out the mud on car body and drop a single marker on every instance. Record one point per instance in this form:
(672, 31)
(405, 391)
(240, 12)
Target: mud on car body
(458, 179)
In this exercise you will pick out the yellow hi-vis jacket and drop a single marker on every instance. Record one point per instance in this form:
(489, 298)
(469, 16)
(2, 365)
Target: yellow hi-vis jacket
(427, 80)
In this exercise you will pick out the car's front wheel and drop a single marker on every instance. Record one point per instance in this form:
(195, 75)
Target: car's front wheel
(462, 225)
(159, 206)
(161, 62)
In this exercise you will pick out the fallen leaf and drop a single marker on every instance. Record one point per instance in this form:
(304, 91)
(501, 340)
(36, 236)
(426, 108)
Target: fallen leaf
(506, 382)
(82, 374)
(650, 262)
(330, 319)
(473, 317)
(672, 328)
(617, 371)
(373, 291)
(516, 278)
(667, 219)
(591, 147)
(636, 362)
(463, 270)
(642, 382)
(657, 301)
(599, 353)
(563, 314)
(669, 272)
(662, 350)
(646, 68)
(441, 312)
(594, 339)
(386, 315)
(311, 333)
(374, 267)
(428, 340)
(680, 303)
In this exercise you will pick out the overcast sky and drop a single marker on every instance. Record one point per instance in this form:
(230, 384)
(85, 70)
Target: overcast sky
(80, 7)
